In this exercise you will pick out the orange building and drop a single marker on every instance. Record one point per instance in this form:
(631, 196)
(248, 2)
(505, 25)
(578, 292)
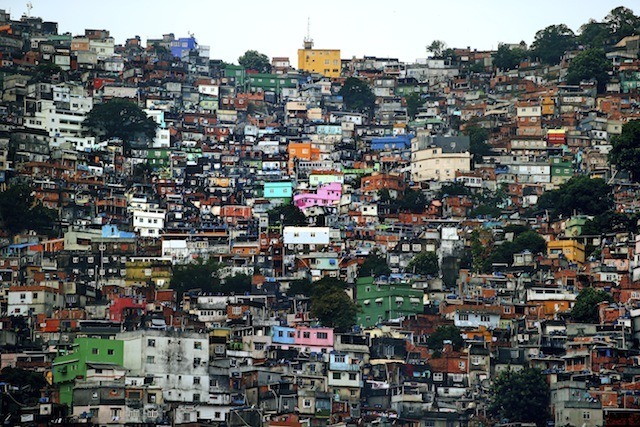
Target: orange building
(303, 151)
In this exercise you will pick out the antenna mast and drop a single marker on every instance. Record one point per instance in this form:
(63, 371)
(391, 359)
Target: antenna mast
(308, 41)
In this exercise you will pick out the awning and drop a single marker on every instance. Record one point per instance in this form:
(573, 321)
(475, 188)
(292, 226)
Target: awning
(379, 300)
(399, 299)
(366, 302)
(415, 300)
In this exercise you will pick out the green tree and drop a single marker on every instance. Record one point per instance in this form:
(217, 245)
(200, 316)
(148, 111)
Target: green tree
(622, 22)
(424, 263)
(414, 102)
(121, 119)
(286, 215)
(590, 64)
(552, 42)
(237, 284)
(202, 275)
(437, 48)
(503, 253)
(625, 149)
(450, 333)
(610, 222)
(412, 201)
(478, 145)
(579, 195)
(21, 211)
(28, 386)
(594, 34)
(374, 265)
(331, 305)
(585, 310)
(453, 189)
(357, 95)
(299, 287)
(254, 60)
(47, 73)
(507, 58)
(480, 249)
(521, 396)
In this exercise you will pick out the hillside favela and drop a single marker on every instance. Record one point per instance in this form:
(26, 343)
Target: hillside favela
(321, 240)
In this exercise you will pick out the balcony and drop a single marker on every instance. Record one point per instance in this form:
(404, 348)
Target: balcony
(344, 367)
(407, 396)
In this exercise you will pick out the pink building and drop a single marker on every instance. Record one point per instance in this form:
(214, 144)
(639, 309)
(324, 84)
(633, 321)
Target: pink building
(326, 195)
(314, 339)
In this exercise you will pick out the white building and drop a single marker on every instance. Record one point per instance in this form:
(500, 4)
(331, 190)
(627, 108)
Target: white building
(438, 158)
(176, 362)
(27, 300)
(149, 222)
(306, 235)
(62, 119)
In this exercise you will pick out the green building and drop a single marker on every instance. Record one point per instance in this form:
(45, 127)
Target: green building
(237, 73)
(270, 82)
(629, 81)
(158, 158)
(561, 170)
(384, 300)
(69, 367)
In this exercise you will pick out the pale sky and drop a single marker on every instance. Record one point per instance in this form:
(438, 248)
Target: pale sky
(397, 29)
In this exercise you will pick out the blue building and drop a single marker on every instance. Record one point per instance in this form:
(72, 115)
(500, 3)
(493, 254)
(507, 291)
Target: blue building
(283, 335)
(388, 143)
(182, 46)
(278, 190)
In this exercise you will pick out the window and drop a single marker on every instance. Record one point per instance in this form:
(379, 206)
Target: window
(196, 380)
(484, 318)
(196, 361)
(110, 352)
(151, 359)
(94, 351)
(462, 365)
(463, 316)
(197, 345)
(353, 377)
(336, 375)
(151, 343)
(306, 334)
(115, 414)
(339, 358)
(306, 403)
(322, 335)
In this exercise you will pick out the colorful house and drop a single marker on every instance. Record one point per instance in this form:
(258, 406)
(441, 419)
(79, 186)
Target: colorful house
(85, 351)
(326, 195)
(322, 61)
(571, 250)
(384, 300)
(278, 190)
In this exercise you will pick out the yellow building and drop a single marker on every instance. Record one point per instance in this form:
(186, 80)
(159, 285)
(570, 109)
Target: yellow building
(322, 61)
(572, 250)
